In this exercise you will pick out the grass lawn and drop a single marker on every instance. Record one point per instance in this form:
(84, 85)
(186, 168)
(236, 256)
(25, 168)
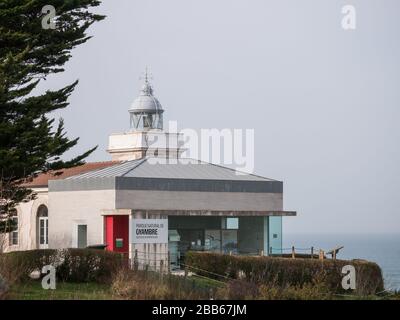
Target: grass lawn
(32, 290)
(64, 291)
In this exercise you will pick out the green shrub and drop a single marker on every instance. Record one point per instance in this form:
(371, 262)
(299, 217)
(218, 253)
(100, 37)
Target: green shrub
(18, 265)
(243, 290)
(88, 265)
(72, 265)
(3, 288)
(283, 272)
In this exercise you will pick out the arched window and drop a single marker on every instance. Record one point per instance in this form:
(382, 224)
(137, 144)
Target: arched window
(43, 226)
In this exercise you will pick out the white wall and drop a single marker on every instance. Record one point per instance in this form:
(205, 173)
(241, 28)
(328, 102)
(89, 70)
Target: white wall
(27, 227)
(68, 209)
(136, 144)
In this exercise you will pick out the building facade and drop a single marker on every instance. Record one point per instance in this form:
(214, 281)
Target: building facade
(205, 206)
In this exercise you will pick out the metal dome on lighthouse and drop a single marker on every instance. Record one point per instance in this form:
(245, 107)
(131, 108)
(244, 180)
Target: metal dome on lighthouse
(146, 112)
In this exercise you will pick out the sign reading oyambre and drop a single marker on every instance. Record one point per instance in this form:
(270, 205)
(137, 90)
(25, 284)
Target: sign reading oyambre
(149, 231)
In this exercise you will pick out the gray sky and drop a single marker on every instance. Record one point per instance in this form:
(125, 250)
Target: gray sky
(324, 102)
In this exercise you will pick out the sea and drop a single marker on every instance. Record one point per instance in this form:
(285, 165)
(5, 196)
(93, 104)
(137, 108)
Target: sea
(384, 249)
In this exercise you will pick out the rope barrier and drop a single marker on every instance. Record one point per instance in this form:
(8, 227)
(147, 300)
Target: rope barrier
(245, 252)
(153, 268)
(149, 252)
(204, 277)
(216, 274)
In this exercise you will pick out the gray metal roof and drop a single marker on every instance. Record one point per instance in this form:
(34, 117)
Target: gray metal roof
(157, 174)
(170, 169)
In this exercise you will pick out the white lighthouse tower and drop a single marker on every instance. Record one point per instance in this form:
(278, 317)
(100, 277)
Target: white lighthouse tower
(146, 136)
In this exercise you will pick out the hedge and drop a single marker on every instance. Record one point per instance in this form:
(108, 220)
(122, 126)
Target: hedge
(284, 272)
(72, 265)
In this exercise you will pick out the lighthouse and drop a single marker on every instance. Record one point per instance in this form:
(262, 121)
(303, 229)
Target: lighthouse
(146, 136)
(146, 112)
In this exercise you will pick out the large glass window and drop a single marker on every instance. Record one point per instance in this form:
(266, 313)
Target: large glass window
(212, 240)
(229, 235)
(229, 241)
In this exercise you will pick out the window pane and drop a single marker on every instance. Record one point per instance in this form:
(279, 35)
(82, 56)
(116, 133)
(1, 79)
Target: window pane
(15, 238)
(42, 211)
(41, 231)
(232, 223)
(14, 234)
(229, 241)
(47, 232)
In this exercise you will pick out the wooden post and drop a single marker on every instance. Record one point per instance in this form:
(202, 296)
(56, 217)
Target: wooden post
(312, 252)
(161, 266)
(334, 254)
(135, 261)
(321, 254)
(293, 253)
(169, 262)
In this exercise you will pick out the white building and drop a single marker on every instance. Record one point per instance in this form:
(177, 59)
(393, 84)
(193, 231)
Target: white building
(205, 206)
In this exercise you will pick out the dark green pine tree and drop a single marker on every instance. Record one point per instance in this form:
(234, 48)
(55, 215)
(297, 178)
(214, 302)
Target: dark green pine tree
(30, 139)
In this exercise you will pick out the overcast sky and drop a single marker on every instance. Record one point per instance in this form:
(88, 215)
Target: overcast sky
(324, 102)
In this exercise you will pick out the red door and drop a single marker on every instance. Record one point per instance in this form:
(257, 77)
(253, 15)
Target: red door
(117, 233)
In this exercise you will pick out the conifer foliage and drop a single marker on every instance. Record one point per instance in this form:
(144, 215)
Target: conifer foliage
(31, 141)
